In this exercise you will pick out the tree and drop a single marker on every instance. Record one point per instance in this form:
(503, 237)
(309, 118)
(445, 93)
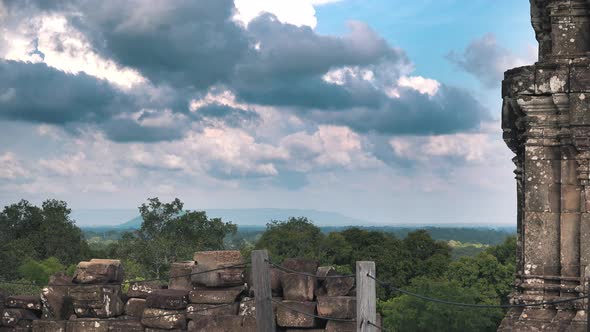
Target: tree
(407, 313)
(169, 234)
(505, 252)
(40, 271)
(31, 232)
(296, 237)
(428, 257)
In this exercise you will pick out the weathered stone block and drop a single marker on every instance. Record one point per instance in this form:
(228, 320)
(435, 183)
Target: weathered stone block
(220, 278)
(275, 280)
(173, 299)
(24, 302)
(222, 323)
(18, 317)
(220, 258)
(99, 271)
(338, 286)
(199, 309)
(247, 306)
(15, 329)
(324, 271)
(164, 319)
(342, 307)
(301, 265)
(210, 260)
(551, 78)
(298, 287)
(180, 275)
(579, 105)
(286, 317)
(97, 301)
(249, 324)
(87, 325)
(56, 302)
(126, 325)
(49, 326)
(215, 295)
(134, 307)
(580, 78)
(334, 326)
(519, 81)
(142, 289)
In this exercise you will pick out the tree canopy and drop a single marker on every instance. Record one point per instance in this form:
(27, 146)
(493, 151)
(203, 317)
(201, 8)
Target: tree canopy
(169, 234)
(31, 232)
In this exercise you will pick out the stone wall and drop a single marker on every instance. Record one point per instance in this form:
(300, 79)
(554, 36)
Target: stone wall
(546, 123)
(213, 292)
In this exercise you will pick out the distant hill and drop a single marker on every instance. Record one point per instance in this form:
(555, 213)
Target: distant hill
(128, 219)
(260, 217)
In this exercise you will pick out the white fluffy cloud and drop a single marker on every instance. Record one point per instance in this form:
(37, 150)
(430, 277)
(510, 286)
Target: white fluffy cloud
(296, 12)
(481, 147)
(52, 40)
(327, 148)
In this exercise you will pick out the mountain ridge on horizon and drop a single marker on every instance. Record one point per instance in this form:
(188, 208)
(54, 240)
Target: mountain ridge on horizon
(128, 218)
(120, 219)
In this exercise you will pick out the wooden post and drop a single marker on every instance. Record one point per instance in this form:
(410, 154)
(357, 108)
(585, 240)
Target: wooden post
(366, 300)
(265, 319)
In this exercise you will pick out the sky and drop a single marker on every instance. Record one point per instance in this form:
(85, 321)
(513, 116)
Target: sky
(382, 110)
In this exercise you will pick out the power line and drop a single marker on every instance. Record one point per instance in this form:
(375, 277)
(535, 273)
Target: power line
(286, 269)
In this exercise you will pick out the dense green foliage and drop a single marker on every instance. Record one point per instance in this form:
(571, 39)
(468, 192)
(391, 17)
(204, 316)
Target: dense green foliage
(484, 279)
(462, 265)
(169, 234)
(30, 233)
(397, 261)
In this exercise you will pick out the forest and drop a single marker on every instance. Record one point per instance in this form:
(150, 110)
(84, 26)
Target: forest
(37, 241)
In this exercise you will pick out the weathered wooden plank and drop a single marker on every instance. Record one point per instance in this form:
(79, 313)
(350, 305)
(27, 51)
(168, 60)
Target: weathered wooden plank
(366, 302)
(265, 317)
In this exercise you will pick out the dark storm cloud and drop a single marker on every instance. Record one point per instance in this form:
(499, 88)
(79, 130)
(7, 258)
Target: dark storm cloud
(38, 93)
(184, 43)
(287, 67)
(451, 110)
(192, 46)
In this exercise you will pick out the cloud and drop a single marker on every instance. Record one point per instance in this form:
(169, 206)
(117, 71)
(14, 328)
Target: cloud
(451, 110)
(51, 39)
(270, 102)
(330, 147)
(66, 166)
(10, 167)
(38, 93)
(296, 12)
(485, 59)
(485, 146)
(188, 44)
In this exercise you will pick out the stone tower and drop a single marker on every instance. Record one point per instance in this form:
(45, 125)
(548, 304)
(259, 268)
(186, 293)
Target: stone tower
(546, 123)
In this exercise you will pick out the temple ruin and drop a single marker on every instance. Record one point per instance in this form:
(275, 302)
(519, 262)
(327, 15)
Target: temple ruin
(546, 123)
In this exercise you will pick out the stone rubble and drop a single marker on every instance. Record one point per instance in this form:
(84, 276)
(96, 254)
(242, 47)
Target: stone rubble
(94, 300)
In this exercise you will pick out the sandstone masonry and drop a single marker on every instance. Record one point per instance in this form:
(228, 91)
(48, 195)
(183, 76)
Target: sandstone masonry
(546, 123)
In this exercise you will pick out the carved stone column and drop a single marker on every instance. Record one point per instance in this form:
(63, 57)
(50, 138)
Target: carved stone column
(546, 123)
